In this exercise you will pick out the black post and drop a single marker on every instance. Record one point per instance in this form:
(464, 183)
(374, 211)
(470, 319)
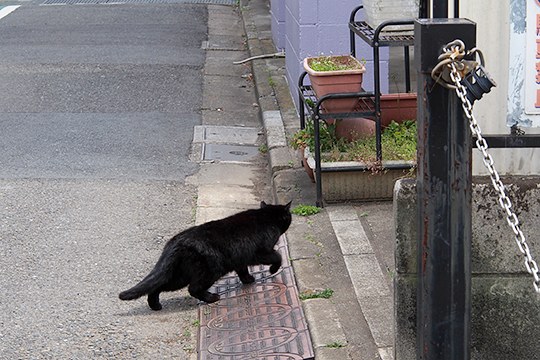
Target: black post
(444, 200)
(423, 9)
(440, 8)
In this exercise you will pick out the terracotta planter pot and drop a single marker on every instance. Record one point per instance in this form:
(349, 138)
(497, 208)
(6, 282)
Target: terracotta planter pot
(353, 129)
(339, 81)
(304, 156)
(397, 107)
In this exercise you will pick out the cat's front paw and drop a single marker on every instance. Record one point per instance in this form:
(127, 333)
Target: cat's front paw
(211, 298)
(247, 279)
(274, 268)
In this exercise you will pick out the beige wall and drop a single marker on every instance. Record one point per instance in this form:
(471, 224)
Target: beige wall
(493, 33)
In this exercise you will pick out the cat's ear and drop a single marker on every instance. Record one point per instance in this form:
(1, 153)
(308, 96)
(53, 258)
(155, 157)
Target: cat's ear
(288, 205)
(263, 204)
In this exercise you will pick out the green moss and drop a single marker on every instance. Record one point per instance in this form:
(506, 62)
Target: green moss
(323, 294)
(305, 210)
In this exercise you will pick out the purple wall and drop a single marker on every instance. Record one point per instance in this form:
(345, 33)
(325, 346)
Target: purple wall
(314, 27)
(277, 11)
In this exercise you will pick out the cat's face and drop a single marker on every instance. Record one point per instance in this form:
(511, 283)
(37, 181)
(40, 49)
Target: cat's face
(283, 214)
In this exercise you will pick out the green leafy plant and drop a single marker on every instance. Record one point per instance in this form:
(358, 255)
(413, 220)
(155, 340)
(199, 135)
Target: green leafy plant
(305, 210)
(327, 137)
(335, 345)
(333, 63)
(398, 142)
(322, 294)
(263, 148)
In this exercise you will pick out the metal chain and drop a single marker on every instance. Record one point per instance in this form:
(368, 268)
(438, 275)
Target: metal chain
(504, 200)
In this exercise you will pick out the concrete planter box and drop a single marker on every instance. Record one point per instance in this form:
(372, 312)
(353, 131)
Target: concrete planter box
(378, 11)
(355, 180)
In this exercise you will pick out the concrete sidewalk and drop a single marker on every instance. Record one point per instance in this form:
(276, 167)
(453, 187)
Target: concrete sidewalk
(346, 248)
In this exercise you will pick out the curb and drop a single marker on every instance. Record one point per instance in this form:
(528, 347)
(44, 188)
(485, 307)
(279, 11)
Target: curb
(323, 324)
(279, 118)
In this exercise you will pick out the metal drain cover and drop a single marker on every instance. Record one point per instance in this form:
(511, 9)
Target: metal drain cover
(226, 134)
(232, 153)
(263, 320)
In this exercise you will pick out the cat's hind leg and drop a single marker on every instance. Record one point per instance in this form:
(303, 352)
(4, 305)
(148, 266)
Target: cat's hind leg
(199, 289)
(272, 258)
(244, 275)
(153, 301)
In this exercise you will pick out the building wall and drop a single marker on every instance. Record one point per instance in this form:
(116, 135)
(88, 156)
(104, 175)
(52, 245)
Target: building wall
(314, 27)
(277, 11)
(493, 38)
(504, 303)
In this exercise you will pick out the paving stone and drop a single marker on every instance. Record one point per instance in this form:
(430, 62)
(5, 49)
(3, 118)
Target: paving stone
(324, 324)
(352, 237)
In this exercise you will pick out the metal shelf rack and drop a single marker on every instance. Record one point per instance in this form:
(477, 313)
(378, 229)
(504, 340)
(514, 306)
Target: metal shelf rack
(369, 103)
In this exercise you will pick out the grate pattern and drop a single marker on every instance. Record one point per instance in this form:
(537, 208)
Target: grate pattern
(84, 2)
(262, 321)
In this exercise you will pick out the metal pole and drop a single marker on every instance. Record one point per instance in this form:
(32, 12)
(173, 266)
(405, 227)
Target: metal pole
(424, 9)
(440, 8)
(407, 61)
(444, 184)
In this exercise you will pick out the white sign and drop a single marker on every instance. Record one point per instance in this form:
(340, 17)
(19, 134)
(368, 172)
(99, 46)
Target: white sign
(532, 59)
(524, 72)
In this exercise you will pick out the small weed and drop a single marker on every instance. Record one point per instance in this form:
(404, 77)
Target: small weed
(263, 149)
(364, 214)
(335, 345)
(188, 348)
(333, 63)
(321, 294)
(271, 82)
(311, 239)
(391, 273)
(305, 210)
(310, 103)
(196, 323)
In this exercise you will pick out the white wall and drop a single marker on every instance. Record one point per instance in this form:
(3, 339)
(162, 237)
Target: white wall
(493, 33)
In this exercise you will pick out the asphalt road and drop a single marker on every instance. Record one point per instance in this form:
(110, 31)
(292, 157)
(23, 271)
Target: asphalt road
(97, 108)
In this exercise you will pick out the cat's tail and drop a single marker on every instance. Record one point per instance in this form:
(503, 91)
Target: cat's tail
(157, 278)
(147, 285)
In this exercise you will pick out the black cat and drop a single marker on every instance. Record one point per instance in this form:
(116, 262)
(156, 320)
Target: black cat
(202, 254)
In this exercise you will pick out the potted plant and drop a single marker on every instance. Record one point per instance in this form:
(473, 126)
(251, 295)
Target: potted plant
(340, 74)
(335, 74)
(360, 176)
(303, 141)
